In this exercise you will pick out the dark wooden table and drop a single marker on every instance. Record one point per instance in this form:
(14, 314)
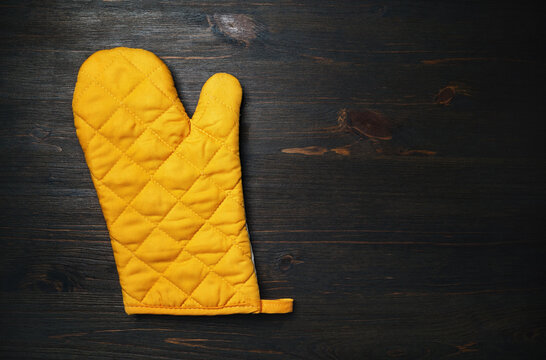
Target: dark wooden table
(393, 163)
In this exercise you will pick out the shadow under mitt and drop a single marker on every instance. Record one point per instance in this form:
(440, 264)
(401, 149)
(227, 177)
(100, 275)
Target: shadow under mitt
(169, 186)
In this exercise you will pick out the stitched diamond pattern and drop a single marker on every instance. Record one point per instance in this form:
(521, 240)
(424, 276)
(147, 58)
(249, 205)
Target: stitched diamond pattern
(169, 186)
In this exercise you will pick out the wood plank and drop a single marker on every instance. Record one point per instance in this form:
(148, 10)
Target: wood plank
(393, 171)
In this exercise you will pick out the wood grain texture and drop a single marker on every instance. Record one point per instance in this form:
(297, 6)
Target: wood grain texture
(393, 163)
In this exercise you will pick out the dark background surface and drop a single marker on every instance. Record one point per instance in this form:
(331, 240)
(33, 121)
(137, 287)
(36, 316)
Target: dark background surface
(393, 163)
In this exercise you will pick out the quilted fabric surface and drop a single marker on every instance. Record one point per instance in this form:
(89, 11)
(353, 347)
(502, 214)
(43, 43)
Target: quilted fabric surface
(169, 186)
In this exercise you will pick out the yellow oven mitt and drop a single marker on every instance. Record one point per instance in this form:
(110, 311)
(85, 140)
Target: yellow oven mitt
(169, 186)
